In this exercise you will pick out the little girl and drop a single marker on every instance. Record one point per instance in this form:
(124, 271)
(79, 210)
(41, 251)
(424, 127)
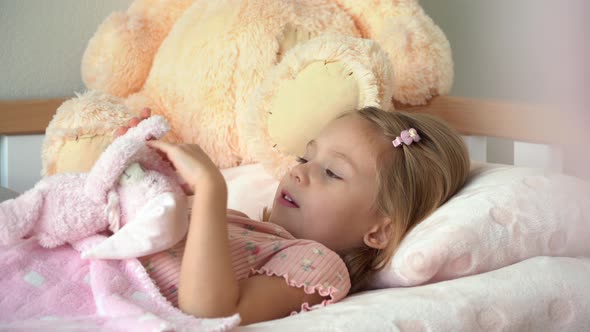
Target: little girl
(363, 183)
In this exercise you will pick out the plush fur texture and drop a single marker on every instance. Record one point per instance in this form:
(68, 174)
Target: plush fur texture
(70, 207)
(417, 48)
(90, 117)
(119, 56)
(199, 62)
(368, 64)
(201, 80)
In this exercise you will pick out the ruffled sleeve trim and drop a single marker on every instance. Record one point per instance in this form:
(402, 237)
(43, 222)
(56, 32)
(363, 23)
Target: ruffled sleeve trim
(313, 268)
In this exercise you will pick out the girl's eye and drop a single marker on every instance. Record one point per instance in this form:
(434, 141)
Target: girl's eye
(301, 160)
(332, 174)
(329, 173)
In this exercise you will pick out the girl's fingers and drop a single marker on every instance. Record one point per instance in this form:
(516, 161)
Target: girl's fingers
(161, 149)
(160, 145)
(188, 159)
(165, 158)
(121, 131)
(145, 113)
(134, 122)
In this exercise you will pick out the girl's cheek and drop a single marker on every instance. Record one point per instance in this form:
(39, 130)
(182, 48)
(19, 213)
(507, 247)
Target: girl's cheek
(322, 208)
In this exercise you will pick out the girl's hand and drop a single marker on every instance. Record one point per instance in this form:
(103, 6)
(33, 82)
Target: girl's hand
(191, 162)
(144, 114)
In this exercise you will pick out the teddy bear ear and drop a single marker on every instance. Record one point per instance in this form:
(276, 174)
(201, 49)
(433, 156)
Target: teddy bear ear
(316, 82)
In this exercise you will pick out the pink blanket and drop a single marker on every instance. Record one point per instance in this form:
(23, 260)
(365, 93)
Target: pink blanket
(50, 289)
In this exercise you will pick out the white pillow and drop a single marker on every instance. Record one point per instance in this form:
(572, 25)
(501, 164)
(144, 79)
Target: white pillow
(250, 189)
(503, 215)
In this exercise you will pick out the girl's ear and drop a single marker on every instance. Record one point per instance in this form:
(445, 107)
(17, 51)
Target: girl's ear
(378, 236)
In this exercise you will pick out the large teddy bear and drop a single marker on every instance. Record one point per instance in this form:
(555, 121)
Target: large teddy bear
(248, 80)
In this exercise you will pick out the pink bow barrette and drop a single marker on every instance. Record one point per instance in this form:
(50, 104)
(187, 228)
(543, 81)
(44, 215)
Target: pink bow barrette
(407, 137)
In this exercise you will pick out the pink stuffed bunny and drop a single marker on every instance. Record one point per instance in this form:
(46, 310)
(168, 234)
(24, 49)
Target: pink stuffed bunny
(129, 186)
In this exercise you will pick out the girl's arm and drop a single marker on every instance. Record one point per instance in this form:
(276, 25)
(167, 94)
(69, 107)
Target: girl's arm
(231, 212)
(264, 298)
(208, 286)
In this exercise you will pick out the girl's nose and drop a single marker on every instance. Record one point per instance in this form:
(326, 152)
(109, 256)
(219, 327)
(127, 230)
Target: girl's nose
(298, 175)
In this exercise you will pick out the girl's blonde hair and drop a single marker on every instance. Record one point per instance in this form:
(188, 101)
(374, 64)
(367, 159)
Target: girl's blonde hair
(412, 181)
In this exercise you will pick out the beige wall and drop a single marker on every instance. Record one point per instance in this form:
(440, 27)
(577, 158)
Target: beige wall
(42, 41)
(525, 51)
(484, 54)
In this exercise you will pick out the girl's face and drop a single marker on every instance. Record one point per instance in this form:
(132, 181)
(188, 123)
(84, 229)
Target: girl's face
(329, 196)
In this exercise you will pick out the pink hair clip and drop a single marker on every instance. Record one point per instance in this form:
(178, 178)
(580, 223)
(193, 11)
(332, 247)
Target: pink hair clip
(407, 137)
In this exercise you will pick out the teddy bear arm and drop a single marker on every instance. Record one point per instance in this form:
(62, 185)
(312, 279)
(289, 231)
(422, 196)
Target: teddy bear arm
(119, 56)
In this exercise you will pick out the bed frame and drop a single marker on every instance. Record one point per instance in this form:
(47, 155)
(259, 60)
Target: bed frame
(471, 117)
(474, 118)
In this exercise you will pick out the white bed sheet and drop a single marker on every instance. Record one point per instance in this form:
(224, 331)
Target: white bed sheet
(538, 294)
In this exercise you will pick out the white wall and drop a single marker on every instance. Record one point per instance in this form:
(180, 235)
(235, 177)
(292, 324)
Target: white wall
(480, 67)
(20, 161)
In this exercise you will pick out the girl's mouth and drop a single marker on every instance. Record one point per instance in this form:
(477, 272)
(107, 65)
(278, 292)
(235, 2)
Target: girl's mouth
(287, 200)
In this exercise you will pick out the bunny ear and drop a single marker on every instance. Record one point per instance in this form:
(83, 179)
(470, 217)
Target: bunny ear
(153, 127)
(124, 151)
(110, 166)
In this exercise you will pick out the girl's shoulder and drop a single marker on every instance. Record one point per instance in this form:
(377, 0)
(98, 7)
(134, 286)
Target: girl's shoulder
(303, 263)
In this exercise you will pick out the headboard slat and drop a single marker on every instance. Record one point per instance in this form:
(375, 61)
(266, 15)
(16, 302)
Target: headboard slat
(473, 117)
(20, 117)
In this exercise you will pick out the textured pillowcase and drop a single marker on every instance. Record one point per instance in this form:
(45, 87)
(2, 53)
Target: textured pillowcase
(503, 215)
(249, 189)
